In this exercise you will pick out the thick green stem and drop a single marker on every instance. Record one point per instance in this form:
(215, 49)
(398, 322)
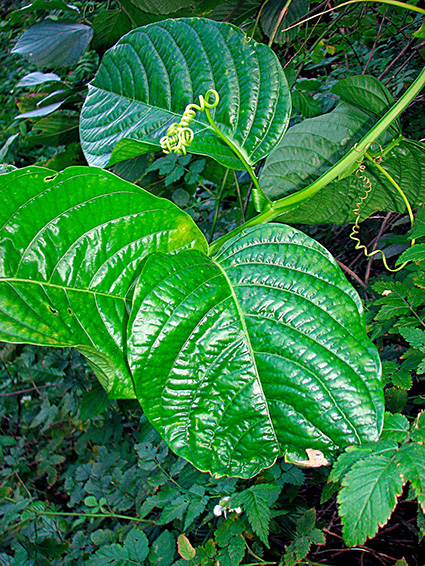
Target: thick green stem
(275, 209)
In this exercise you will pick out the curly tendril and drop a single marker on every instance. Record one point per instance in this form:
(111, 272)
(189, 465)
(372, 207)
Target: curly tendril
(179, 135)
(360, 174)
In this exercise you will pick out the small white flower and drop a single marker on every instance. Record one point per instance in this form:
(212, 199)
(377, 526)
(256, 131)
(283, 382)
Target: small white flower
(222, 508)
(386, 292)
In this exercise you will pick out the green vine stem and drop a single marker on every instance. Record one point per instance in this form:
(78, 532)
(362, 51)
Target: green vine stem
(275, 209)
(375, 161)
(179, 136)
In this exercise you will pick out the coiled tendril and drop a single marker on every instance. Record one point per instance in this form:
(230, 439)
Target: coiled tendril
(179, 135)
(360, 174)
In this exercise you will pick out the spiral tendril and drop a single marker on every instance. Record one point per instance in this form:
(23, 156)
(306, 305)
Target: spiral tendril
(179, 135)
(360, 174)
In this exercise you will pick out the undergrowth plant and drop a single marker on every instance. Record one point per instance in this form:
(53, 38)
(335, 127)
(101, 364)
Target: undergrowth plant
(241, 350)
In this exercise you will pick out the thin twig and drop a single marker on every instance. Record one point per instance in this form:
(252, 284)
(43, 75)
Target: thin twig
(397, 59)
(414, 52)
(375, 245)
(375, 42)
(352, 274)
(28, 390)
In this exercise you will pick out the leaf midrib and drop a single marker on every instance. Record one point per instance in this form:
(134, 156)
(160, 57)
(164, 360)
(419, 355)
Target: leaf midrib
(61, 287)
(250, 348)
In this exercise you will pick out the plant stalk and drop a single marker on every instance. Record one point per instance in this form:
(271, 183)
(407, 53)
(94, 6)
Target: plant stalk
(275, 209)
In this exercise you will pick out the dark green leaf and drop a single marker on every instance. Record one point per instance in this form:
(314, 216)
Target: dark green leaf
(93, 402)
(415, 253)
(205, 349)
(108, 27)
(71, 245)
(396, 427)
(54, 130)
(163, 550)
(161, 78)
(411, 461)
(54, 44)
(395, 399)
(271, 15)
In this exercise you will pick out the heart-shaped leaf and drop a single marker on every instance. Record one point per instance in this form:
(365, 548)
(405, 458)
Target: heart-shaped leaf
(71, 246)
(255, 353)
(168, 65)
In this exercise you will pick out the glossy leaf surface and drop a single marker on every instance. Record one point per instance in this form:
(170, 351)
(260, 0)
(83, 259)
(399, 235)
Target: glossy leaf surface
(71, 245)
(54, 44)
(255, 353)
(336, 202)
(149, 77)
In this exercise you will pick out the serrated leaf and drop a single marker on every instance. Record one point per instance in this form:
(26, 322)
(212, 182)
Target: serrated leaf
(418, 428)
(368, 496)
(113, 555)
(396, 427)
(174, 510)
(296, 551)
(161, 6)
(184, 548)
(161, 78)
(54, 44)
(71, 244)
(205, 331)
(273, 23)
(418, 229)
(395, 399)
(306, 522)
(163, 550)
(292, 474)
(415, 253)
(93, 402)
(137, 546)
(353, 454)
(233, 553)
(411, 463)
(257, 501)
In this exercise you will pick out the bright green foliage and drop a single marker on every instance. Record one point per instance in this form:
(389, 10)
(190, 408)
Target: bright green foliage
(168, 66)
(411, 465)
(66, 272)
(368, 496)
(396, 427)
(208, 364)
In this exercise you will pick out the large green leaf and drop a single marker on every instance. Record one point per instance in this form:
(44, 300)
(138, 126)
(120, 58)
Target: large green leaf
(148, 78)
(255, 353)
(71, 245)
(54, 44)
(336, 202)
